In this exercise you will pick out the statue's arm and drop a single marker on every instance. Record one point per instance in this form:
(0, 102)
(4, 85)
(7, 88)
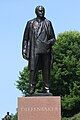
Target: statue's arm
(52, 38)
(25, 42)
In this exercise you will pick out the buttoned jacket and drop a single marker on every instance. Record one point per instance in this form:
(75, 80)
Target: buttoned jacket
(38, 38)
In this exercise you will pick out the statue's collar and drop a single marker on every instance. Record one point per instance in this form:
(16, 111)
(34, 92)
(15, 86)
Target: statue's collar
(40, 20)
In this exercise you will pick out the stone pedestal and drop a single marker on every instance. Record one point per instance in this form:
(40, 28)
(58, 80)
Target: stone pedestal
(39, 108)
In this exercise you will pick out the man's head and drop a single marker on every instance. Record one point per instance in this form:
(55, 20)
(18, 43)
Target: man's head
(40, 11)
(7, 113)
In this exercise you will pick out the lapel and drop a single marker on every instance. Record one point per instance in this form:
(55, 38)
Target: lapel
(38, 27)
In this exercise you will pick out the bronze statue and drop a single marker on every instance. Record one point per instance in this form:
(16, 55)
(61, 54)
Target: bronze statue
(7, 117)
(37, 47)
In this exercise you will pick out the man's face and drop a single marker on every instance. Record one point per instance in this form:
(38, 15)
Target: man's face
(40, 12)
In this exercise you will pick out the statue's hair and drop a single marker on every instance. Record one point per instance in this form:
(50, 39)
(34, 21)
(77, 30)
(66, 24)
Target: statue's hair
(38, 8)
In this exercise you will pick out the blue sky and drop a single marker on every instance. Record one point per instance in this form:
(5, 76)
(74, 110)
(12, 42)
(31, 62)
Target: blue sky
(14, 14)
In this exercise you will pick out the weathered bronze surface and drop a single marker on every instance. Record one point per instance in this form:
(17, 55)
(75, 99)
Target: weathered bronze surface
(37, 48)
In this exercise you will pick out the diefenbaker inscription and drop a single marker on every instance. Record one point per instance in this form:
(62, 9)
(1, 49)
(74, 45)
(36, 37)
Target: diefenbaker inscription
(39, 108)
(46, 109)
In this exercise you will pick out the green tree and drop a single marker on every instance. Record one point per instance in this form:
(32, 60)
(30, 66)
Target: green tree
(14, 117)
(23, 82)
(66, 71)
(65, 75)
(66, 65)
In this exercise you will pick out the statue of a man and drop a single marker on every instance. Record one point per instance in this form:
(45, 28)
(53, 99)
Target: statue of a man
(7, 117)
(37, 47)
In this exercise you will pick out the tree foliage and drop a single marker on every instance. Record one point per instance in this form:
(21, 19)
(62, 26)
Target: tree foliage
(75, 117)
(14, 117)
(65, 75)
(66, 71)
(66, 66)
(23, 82)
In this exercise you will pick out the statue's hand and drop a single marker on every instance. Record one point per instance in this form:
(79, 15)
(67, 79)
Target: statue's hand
(24, 53)
(51, 41)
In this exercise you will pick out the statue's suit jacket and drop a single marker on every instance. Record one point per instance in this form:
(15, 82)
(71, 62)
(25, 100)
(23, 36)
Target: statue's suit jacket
(38, 38)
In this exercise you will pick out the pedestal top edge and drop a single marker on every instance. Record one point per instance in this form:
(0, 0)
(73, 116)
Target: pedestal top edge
(54, 97)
